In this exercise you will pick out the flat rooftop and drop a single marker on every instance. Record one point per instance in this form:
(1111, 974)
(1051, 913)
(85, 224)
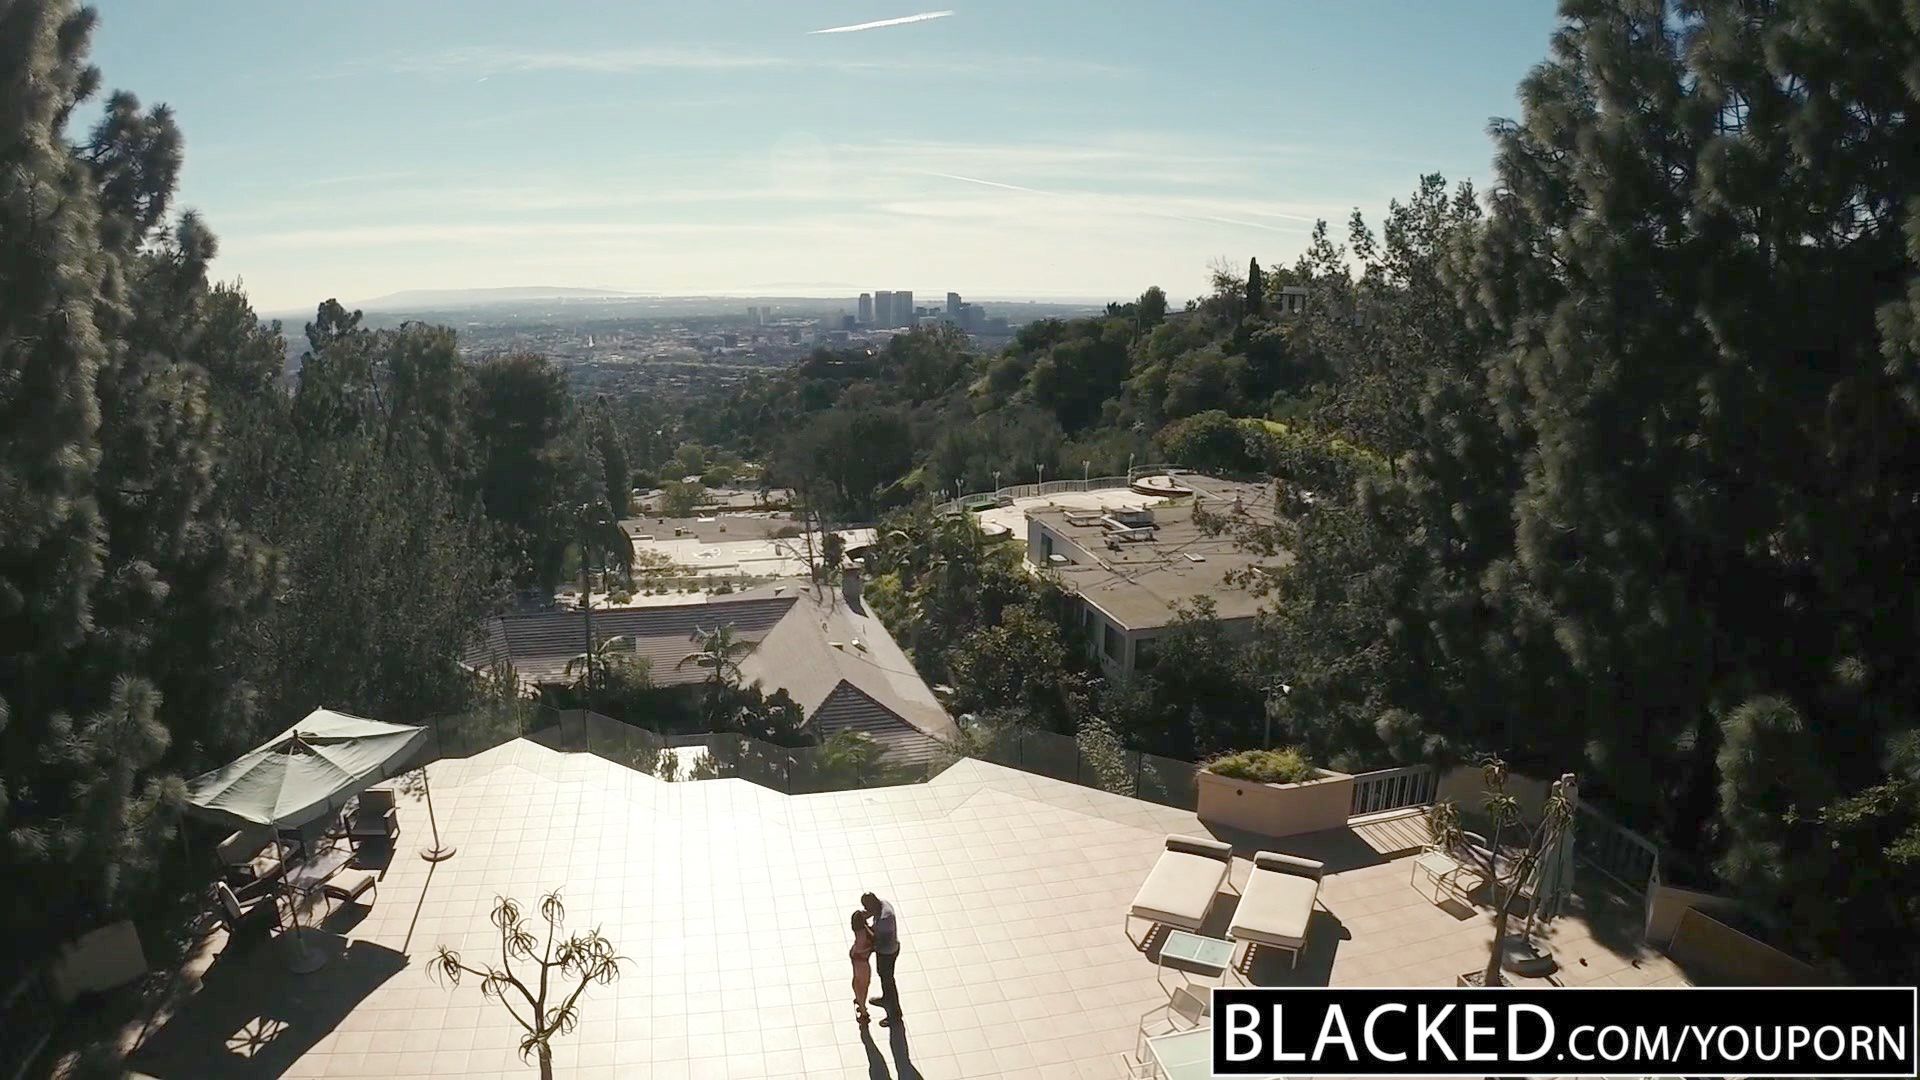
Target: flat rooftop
(1140, 583)
(734, 546)
(731, 902)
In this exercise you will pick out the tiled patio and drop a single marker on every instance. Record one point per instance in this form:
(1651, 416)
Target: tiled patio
(731, 903)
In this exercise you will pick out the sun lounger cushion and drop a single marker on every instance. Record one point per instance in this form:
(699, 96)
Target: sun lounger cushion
(1180, 889)
(1288, 864)
(1278, 901)
(350, 886)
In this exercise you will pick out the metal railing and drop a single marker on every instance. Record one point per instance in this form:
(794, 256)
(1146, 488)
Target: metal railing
(1393, 789)
(1616, 851)
(791, 770)
(1164, 780)
(1056, 487)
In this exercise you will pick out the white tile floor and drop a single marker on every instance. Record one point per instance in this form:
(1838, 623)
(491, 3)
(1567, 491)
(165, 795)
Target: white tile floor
(731, 901)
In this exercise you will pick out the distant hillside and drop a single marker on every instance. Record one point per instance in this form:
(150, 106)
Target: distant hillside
(428, 299)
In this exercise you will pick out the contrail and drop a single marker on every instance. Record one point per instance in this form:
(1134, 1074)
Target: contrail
(996, 184)
(901, 21)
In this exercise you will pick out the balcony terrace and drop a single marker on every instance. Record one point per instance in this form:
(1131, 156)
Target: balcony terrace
(731, 901)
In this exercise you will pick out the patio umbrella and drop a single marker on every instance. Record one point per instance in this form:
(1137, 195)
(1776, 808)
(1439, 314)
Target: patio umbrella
(1553, 873)
(306, 772)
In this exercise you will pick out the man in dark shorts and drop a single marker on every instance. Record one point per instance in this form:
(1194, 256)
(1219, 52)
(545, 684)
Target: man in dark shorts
(886, 953)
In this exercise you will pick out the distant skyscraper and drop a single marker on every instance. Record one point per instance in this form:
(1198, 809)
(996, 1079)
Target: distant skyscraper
(953, 304)
(903, 308)
(882, 308)
(753, 315)
(866, 309)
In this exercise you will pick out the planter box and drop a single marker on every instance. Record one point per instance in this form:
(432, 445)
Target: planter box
(1276, 809)
(101, 960)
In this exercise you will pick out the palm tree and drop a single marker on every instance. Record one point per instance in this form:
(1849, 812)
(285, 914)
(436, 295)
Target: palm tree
(604, 652)
(602, 541)
(719, 652)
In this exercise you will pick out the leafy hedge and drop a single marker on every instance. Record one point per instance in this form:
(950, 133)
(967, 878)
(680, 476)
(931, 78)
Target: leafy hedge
(1285, 766)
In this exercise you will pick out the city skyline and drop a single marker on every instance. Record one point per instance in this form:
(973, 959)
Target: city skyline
(725, 150)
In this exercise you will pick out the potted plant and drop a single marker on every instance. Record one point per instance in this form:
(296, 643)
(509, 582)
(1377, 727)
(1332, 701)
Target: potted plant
(1538, 838)
(1273, 793)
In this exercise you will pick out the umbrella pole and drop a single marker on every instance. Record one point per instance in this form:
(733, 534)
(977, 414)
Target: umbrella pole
(436, 852)
(305, 959)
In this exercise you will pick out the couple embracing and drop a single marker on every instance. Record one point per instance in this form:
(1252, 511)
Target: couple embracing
(876, 933)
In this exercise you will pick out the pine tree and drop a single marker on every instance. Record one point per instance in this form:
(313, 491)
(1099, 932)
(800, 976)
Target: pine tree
(1694, 252)
(117, 574)
(1256, 288)
(125, 575)
(50, 353)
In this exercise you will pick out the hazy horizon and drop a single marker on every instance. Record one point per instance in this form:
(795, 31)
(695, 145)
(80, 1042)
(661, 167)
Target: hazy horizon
(1072, 152)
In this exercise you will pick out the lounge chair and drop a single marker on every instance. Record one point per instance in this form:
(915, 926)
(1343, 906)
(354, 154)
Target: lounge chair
(1180, 889)
(1278, 903)
(349, 887)
(246, 858)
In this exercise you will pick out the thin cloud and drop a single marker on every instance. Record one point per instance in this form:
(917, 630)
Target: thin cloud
(903, 20)
(1095, 198)
(589, 61)
(357, 178)
(491, 61)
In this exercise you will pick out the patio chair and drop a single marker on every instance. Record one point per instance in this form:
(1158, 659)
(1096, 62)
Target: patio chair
(245, 916)
(245, 857)
(308, 842)
(374, 817)
(1184, 1005)
(1443, 870)
(1180, 889)
(1278, 903)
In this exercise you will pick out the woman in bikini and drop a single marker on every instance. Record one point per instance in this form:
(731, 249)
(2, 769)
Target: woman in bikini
(862, 970)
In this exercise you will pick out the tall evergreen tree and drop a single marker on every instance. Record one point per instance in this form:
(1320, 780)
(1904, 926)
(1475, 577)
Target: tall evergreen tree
(1695, 251)
(119, 573)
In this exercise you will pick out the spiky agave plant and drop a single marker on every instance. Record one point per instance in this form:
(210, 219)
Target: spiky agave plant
(579, 959)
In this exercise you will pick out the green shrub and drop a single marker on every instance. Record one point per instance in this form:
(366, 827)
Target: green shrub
(1285, 766)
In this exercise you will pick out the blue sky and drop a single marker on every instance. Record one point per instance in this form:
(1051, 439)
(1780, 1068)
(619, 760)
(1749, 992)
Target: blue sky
(1033, 148)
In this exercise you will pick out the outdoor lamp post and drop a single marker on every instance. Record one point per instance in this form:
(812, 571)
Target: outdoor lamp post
(1042, 470)
(1272, 685)
(1086, 472)
(996, 481)
(438, 851)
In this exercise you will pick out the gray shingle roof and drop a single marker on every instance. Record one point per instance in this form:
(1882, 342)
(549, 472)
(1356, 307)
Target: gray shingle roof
(848, 708)
(835, 660)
